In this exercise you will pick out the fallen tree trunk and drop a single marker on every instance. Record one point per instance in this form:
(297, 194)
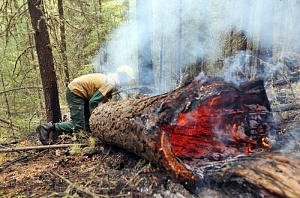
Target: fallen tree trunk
(263, 175)
(204, 120)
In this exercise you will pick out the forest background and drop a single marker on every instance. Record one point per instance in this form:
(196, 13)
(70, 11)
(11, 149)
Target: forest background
(167, 43)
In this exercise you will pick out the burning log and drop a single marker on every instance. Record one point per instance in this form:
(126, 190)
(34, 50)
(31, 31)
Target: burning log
(205, 120)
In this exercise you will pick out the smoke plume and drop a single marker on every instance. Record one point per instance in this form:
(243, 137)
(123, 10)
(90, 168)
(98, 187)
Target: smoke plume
(272, 23)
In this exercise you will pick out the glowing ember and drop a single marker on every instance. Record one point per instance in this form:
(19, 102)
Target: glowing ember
(218, 127)
(265, 143)
(248, 149)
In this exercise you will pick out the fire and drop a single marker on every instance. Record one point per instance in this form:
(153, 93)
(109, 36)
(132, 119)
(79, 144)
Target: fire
(235, 127)
(249, 149)
(214, 100)
(264, 142)
(217, 127)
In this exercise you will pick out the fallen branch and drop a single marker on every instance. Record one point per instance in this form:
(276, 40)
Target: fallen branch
(286, 81)
(39, 147)
(19, 88)
(287, 107)
(8, 143)
(21, 159)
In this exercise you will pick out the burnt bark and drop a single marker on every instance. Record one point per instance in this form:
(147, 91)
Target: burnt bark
(206, 119)
(63, 43)
(263, 175)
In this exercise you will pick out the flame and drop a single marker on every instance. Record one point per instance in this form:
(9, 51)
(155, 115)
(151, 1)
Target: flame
(235, 127)
(249, 149)
(215, 126)
(214, 100)
(264, 142)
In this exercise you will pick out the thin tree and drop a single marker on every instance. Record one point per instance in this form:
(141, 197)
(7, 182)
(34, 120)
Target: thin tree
(63, 44)
(179, 44)
(143, 17)
(246, 20)
(45, 59)
(161, 51)
(265, 45)
(295, 24)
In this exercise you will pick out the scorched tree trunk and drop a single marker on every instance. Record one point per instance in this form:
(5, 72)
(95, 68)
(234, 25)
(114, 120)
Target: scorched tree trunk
(205, 120)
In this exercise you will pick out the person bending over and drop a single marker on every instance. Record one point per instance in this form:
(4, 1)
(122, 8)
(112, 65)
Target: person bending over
(84, 94)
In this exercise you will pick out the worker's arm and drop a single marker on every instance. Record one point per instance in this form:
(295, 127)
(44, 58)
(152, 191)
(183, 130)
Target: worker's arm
(96, 99)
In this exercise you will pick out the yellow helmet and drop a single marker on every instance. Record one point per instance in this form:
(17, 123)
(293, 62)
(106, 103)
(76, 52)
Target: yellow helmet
(127, 70)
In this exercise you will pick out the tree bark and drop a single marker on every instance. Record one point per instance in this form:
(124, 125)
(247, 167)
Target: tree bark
(63, 42)
(206, 119)
(262, 175)
(45, 58)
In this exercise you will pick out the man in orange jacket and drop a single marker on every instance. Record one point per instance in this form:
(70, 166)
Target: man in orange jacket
(83, 95)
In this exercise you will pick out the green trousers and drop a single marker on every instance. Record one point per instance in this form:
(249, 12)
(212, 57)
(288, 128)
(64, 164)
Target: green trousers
(80, 114)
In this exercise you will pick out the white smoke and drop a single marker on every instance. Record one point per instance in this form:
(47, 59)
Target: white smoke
(203, 23)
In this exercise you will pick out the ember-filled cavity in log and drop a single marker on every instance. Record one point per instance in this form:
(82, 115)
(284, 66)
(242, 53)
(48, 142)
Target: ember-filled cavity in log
(205, 119)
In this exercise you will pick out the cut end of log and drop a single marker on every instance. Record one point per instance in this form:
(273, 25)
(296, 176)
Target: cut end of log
(228, 124)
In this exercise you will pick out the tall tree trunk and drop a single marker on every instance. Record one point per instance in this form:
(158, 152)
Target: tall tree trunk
(63, 44)
(296, 39)
(8, 113)
(143, 17)
(35, 66)
(161, 51)
(200, 61)
(265, 45)
(252, 51)
(179, 54)
(247, 43)
(45, 58)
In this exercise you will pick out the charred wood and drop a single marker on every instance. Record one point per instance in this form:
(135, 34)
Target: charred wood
(262, 175)
(206, 119)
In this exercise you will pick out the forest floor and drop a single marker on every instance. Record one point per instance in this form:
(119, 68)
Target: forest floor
(90, 172)
(105, 171)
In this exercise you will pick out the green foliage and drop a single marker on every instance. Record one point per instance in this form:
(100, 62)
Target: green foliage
(21, 96)
(74, 149)
(87, 27)
(92, 142)
(86, 69)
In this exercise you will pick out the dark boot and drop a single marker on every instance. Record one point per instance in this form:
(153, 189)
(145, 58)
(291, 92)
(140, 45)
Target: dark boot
(43, 131)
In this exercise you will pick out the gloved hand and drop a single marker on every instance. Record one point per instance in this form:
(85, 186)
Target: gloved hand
(91, 110)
